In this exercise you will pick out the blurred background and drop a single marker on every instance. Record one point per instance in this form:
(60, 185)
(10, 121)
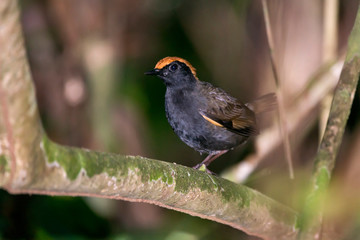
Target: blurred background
(88, 59)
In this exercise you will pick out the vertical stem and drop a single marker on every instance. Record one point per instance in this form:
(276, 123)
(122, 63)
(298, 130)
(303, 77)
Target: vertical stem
(312, 214)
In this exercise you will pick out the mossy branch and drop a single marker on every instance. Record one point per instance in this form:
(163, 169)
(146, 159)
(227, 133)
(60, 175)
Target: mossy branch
(311, 217)
(31, 163)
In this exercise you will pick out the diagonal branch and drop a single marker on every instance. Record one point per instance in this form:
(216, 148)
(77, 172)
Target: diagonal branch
(311, 219)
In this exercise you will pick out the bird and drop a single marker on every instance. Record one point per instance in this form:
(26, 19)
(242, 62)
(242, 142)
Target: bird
(203, 116)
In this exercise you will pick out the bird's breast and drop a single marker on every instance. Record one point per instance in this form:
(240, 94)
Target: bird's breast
(181, 111)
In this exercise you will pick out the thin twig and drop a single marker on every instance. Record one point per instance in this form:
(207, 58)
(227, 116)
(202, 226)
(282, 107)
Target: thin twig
(281, 111)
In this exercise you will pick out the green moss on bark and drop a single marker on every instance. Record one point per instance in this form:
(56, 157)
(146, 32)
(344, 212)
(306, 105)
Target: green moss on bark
(186, 180)
(3, 163)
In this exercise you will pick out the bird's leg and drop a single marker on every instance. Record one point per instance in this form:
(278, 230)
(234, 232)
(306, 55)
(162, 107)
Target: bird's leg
(197, 166)
(209, 159)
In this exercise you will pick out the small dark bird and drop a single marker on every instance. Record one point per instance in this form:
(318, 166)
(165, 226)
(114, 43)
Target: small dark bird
(205, 117)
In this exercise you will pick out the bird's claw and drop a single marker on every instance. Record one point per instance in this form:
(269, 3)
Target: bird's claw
(202, 167)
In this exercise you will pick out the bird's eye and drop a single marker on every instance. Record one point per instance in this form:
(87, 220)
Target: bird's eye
(173, 67)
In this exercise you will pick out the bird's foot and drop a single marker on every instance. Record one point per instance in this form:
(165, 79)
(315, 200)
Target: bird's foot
(199, 166)
(202, 167)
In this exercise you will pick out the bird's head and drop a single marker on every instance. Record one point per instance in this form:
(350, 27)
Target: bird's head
(175, 72)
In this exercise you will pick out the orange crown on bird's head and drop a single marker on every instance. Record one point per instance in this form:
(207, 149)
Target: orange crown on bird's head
(167, 60)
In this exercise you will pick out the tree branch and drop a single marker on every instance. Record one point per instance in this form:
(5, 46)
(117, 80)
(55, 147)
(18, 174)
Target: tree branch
(31, 163)
(311, 218)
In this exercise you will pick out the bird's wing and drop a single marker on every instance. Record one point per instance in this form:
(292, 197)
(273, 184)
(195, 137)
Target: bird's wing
(225, 111)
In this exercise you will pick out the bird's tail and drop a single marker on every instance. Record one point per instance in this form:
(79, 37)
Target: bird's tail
(264, 103)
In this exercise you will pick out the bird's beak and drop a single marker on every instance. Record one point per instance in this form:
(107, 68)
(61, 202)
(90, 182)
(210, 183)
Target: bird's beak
(155, 71)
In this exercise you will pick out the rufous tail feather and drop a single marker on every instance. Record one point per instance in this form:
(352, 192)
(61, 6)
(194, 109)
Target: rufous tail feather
(264, 103)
